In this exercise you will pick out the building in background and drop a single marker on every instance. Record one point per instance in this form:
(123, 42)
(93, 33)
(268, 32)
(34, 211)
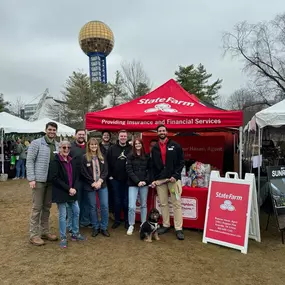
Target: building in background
(29, 110)
(96, 40)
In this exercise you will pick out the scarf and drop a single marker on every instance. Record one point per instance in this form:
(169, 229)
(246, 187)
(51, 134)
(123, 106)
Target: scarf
(96, 168)
(51, 145)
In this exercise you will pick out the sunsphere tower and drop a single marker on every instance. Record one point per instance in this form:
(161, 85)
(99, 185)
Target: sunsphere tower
(96, 39)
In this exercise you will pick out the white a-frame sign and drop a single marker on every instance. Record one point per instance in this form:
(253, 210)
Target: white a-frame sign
(232, 211)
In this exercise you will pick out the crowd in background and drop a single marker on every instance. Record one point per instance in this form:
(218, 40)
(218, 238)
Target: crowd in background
(76, 176)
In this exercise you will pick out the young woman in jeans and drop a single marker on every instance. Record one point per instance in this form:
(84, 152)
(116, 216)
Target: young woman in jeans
(138, 169)
(94, 172)
(64, 184)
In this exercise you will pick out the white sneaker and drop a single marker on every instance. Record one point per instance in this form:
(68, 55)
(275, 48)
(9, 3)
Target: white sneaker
(130, 230)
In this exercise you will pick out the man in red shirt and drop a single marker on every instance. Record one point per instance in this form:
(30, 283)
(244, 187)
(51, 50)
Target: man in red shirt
(167, 164)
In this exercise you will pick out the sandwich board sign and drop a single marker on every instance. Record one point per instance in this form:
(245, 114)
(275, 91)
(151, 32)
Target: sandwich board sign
(232, 211)
(276, 177)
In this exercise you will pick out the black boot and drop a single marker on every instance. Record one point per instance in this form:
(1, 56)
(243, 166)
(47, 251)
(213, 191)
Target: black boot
(95, 232)
(163, 230)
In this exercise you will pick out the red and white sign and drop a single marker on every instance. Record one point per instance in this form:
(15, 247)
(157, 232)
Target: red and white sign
(229, 212)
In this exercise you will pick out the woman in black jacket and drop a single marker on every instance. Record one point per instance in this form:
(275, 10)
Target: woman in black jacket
(94, 172)
(138, 170)
(64, 184)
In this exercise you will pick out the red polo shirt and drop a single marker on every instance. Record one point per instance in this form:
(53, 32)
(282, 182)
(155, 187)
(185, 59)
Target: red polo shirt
(162, 146)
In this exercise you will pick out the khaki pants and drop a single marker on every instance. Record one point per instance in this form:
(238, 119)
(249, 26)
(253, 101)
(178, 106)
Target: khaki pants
(162, 192)
(42, 198)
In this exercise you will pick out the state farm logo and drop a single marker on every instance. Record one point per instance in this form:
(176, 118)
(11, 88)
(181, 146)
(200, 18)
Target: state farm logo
(161, 107)
(166, 100)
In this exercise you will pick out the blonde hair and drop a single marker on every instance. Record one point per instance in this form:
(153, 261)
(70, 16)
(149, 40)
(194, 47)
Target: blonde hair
(98, 152)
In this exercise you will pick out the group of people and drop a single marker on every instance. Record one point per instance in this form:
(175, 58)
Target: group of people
(73, 175)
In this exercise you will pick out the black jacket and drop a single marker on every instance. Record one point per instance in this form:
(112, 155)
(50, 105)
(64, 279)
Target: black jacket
(138, 169)
(117, 157)
(76, 152)
(59, 180)
(87, 173)
(103, 149)
(174, 161)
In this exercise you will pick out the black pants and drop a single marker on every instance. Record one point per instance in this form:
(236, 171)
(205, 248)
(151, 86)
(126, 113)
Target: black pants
(121, 199)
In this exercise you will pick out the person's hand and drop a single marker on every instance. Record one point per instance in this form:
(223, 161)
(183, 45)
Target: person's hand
(32, 184)
(141, 184)
(72, 191)
(153, 184)
(172, 180)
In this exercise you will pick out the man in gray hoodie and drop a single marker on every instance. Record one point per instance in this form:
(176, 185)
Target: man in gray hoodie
(40, 153)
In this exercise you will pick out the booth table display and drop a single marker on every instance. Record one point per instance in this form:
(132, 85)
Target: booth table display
(194, 202)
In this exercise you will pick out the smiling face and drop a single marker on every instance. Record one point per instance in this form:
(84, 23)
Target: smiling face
(106, 137)
(123, 137)
(80, 137)
(64, 149)
(162, 133)
(138, 145)
(93, 147)
(51, 132)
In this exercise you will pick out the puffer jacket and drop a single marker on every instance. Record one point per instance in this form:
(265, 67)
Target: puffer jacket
(138, 169)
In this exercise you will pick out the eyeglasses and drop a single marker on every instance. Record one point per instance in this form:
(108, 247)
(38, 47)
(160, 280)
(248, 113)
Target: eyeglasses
(65, 147)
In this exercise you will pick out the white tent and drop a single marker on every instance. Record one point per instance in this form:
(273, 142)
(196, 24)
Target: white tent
(62, 130)
(273, 116)
(13, 124)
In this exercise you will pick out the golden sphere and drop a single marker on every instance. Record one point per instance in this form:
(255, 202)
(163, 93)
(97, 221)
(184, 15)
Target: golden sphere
(95, 36)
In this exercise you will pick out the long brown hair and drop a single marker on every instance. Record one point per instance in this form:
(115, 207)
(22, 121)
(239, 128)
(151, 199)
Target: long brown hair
(98, 152)
(134, 151)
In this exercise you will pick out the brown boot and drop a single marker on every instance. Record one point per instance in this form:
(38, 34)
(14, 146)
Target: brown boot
(36, 241)
(50, 237)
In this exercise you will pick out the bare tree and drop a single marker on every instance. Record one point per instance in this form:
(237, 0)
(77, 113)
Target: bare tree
(17, 106)
(134, 78)
(262, 47)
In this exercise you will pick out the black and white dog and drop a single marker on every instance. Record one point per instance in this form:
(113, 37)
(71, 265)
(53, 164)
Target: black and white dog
(149, 228)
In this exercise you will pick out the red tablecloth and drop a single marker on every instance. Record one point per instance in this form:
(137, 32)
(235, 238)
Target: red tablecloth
(194, 203)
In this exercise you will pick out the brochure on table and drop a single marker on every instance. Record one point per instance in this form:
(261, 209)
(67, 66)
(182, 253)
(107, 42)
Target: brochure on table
(232, 211)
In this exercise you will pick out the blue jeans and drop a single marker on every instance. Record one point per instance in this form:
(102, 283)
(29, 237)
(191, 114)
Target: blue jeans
(121, 197)
(20, 166)
(104, 210)
(84, 217)
(133, 194)
(62, 209)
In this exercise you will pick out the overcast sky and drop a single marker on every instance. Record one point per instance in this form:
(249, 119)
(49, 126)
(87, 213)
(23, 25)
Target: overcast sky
(39, 39)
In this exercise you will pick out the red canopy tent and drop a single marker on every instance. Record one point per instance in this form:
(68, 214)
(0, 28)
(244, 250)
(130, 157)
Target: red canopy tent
(170, 105)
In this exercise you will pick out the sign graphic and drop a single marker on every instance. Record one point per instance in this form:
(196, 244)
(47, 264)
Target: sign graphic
(276, 177)
(161, 107)
(227, 221)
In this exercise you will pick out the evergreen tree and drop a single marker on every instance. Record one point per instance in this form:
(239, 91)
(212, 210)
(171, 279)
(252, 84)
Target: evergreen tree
(3, 104)
(142, 89)
(81, 97)
(195, 80)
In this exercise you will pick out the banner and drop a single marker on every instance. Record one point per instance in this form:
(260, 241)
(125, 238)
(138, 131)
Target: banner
(206, 149)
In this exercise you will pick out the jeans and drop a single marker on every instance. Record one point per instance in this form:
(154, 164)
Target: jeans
(84, 216)
(20, 166)
(121, 197)
(104, 211)
(133, 194)
(62, 208)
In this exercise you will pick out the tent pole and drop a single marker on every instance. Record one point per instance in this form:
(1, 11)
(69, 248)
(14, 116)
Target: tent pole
(2, 150)
(259, 166)
(240, 152)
